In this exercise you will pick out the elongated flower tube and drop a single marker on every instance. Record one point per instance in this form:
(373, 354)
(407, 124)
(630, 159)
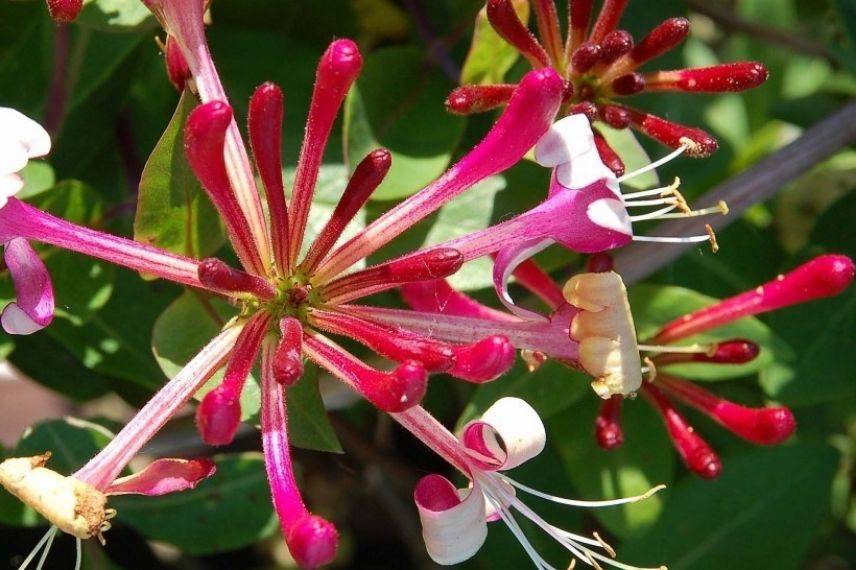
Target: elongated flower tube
(285, 307)
(455, 522)
(593, 332)
(600, 63)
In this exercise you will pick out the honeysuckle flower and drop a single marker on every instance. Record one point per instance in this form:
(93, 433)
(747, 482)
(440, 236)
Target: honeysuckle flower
(288, 303)
(585, 210)
(21, 139)
(600, 64)
(454, 522)
(591, 329)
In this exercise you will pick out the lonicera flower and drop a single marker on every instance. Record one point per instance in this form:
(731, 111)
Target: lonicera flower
(21, 139)
(591, 329)
(454, 522)
(287, 302)
(600, 64)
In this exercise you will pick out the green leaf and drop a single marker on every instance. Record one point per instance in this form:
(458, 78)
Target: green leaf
(38, 176)
(763, 512)
(71, 441)
(308, 426)
(655, 305)
(173, 212)
(115, 16)
(230, 510)
(550, 389)
(490, 57)
(644, 461)
(398, 103)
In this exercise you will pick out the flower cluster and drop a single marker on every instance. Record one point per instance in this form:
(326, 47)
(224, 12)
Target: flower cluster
(287, 302)
(600, 63)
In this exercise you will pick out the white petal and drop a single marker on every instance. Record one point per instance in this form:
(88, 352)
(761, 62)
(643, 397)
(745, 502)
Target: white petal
(10, 184)
(16, 321)
(31, 135)
(452, 534)
(13, 155)
(566, 139)
(610, 214)
(509, 433)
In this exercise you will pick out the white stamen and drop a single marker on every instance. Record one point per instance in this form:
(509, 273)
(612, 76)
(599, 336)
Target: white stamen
(721, 208)
(648, 167)
(670, 239)
(661, 213)
(515, 529)
(658, 202)
(51, 536)
(688, 349)
(576, 503)
(47, 536)
(661, 191)
(78, 560)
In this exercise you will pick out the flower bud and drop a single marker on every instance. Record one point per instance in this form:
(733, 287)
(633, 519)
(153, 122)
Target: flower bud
(218, 416)
(313, 542)
(503, 17)
(661, 39)
(63, 11)
(615, 44)
(607, 424)
(176, 66)
(629, 84)
(585, 57)
(469, 99)
(486, 360)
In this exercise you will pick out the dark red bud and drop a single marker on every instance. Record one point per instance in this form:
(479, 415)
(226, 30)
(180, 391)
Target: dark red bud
(599, 263)
(217, 275)
(585, 57)
(63, 11)
(607, 20)
(671, 134)
(629, 84)
(607, 154)
(614, 116)
(312, 542)
(737, 76)
(586, 108)
(615, 44)
(737, 351)
(661, 39)
(607, 424)
(470, 99)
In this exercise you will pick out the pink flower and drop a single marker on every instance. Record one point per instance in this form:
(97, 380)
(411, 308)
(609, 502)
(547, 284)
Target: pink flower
(455, 521)
(288, 305)
(599, 64)
(591, 329)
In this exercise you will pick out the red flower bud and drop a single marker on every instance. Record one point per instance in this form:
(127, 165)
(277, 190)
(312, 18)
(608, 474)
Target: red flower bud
(599, 263)
(176, 66)
(607, 20)
(63, 11)
(217, 275)
(478, 98)
(503, 18)
(615, 116)
(218, 416)
(737, 76)
(485, 360)
(312, 542)
(671, 134)
(609, 157)
(628, 84)
(615, 44)
(661, 39)
(607, 424)
(585, 57)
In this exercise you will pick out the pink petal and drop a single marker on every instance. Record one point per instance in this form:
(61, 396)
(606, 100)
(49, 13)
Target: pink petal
(507, 260)
(164, 476)
(453, 529)
(35, 303)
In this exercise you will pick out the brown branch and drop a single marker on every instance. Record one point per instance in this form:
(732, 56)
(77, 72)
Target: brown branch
(758, 183)
(733, 23)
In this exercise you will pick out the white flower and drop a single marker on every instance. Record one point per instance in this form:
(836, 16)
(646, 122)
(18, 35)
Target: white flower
(21, 139)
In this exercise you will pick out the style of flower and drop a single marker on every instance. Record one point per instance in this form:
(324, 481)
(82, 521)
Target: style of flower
(454, 522)
(591, 329)
(600, 64)
(287, 305)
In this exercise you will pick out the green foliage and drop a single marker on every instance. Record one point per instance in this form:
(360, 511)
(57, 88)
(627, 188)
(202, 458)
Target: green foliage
(490, 56)
(173, 211)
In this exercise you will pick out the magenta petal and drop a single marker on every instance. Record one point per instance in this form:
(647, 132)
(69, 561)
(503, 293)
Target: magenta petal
(34, 308)
(164, 476)
(506, 262)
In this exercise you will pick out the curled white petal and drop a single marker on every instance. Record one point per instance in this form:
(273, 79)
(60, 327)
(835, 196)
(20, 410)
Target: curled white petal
(453, 529)
(610, 214)
(509, 434)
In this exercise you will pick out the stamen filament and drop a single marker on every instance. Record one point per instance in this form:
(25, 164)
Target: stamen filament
(655, 214)
(36, 549)
(689, 349)
(576, 503)
(661, 191)
(649, 167)
(44, 558)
